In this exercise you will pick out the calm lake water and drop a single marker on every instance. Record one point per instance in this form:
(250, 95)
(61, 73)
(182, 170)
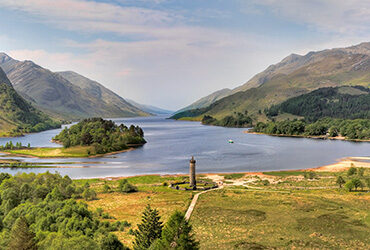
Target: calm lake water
(172, 143)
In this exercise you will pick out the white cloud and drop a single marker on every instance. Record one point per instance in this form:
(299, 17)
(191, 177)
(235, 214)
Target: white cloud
(89, 16)
(337, 16)
(170, 61)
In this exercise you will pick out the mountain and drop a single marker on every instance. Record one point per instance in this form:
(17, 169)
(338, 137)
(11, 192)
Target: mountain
(207, 100)
(16, 114)
(58, 97)
(294, 75)
(150, 108)
(113, 102)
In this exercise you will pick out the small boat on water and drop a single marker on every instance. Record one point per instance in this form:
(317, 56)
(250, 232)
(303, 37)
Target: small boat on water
(231, 141)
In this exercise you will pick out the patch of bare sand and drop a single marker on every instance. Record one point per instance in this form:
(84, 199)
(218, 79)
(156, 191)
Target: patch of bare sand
(344, 164)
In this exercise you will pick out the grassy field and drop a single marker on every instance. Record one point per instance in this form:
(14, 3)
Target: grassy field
(280, 210)
(152, 190)
(77, 151)
(271, 210)
(246, 219)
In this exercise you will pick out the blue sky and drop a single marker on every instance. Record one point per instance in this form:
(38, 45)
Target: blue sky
(169, 53)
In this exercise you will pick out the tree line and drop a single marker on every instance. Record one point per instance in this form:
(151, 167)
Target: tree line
(238, 120)
(355, 179)
(350, 129)
(104, 135)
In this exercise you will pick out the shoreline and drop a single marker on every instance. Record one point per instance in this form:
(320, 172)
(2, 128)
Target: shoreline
(131, 148)
(321, 137)
(339, 166)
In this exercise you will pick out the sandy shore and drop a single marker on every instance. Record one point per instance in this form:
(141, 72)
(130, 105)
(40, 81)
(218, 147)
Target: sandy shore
(344, 164)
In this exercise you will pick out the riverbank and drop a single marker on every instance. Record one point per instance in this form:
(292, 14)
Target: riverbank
(322, 137)
(72, 152)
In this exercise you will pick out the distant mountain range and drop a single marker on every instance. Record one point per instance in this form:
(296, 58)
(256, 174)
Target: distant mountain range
(150, 108)
(293, 76)
(65, 95)
(16, 114)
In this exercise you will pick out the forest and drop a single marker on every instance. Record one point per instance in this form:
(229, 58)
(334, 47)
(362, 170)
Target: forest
(48, 211)
(339, 102)
(40, 211)
(104, 135)
(350, 129)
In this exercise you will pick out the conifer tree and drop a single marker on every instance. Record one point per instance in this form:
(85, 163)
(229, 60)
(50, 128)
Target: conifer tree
(21, 237)
(176, 234)
(149, 230)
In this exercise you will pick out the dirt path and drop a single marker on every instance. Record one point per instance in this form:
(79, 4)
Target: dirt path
(194, 202)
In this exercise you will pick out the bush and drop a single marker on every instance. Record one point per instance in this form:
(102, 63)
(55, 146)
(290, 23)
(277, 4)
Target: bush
(310, 175)
(125, 187)
(352, 170)
(89, 194)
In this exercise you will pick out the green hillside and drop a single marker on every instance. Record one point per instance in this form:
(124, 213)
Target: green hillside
(339, 102)
(294, 76)
(16, 115)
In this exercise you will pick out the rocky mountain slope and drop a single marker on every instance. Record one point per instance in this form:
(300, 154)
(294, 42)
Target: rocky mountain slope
(58, 97)
(296, 75)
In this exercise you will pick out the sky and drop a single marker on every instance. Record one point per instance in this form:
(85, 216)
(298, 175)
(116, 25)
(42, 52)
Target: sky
(170, 53)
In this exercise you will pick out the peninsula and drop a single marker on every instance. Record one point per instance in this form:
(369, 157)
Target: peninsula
(88, 138)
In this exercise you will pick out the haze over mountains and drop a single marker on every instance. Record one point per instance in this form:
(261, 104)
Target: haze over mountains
(65, 95)
(150, 108)
(293, 76)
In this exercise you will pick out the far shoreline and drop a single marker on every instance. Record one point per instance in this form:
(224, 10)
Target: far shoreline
(320, 137)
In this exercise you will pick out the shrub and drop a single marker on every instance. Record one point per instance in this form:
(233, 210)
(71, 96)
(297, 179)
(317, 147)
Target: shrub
(125, 187)
(310, 175)
(89, 194)
(352, 170)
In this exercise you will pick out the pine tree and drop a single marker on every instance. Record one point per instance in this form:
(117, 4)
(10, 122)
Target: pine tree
(176, 234)
(149, 230)
(21, 237)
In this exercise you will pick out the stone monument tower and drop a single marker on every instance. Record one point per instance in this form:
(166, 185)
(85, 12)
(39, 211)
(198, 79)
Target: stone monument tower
(192, 180)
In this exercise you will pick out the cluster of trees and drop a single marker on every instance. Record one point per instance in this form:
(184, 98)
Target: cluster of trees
(175, 234)
(123, 187)
(351, 129)
(357, 179)
(104, 135)
(238, 120)
(40, 211)
(11, 146)
(326, 102)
